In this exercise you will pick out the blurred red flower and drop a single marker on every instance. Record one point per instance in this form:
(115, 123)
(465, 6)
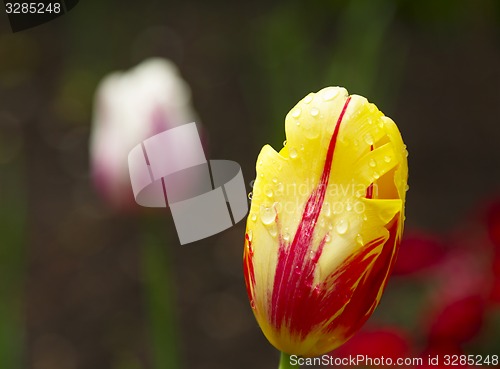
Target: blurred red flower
(388, 342)
(419, 251)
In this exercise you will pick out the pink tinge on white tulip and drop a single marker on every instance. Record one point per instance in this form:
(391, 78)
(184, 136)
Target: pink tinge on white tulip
(130, 107)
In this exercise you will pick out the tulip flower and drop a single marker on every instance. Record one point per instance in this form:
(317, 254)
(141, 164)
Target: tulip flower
(130, 107)
(325, 222)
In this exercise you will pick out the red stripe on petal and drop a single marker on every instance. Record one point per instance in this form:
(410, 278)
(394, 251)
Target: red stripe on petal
(364, 298)
(295, 270)
(248, 270)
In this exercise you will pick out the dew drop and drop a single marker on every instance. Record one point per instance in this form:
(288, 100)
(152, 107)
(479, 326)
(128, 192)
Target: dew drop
(372, 163)
(293, 153)
(365, 217)
(250, 195)
(297, 271)
(407, 187)
(348, 206)
(330, 94)
(275, 180)
(250, 235)
(387, 159)
(296, 112)
(338, 207)
(359, 239)
(297, 123)
(314, 112)
(376, 175)
(328, 238)
(381, 124)
(253, 217)
(252, 304)
(301, 147)
(330, 227)
(327, 209)
(280, 187)
(286, 236)
(312, 132)
(284, 143)
(342, 226)
(308, 98)
(355, 142)
(269, 193)
(406, 153)
(267, 215)
(369, 139)
(273, 231)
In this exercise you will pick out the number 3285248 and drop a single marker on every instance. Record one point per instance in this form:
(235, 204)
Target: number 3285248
(32, 8)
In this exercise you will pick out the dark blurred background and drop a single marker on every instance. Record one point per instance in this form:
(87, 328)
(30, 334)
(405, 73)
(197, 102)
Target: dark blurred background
(73, 279)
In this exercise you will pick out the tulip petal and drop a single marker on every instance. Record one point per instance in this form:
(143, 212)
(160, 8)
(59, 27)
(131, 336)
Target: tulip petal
(318, 250)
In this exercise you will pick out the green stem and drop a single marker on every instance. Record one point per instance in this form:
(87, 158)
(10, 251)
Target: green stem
(12, 241)
(285, 362)
(160, 293)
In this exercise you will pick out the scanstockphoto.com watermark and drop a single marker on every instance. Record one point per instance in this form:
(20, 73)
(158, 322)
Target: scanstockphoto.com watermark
(350, 195)
(365, 360)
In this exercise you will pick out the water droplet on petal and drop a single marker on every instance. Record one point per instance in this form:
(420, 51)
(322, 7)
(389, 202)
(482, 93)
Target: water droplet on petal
(280, 187)
(297, 123)
(308, 98)
(301, 147)
(369, 139)
(253, 217)
(261, 162)
(314, 112)
(286, 236)
(284, 143)
(342, 226)
(365, 217)
(406, 153)
(348, 206)
(250, 195)
(293, 153)
(328, 238)
(250, 235)
(273, 231)
(407, 187)
(330, 94)
(327, 209)
(252, 304)
(338, 207)
(275, 180)
(269, 193)
(376, 175)
(267, 214)
(296, 112)
(355, 142)
(372, 163)
(359, 239)
(387, 159)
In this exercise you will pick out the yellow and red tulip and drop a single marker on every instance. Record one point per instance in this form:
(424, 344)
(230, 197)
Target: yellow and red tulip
(325, 222)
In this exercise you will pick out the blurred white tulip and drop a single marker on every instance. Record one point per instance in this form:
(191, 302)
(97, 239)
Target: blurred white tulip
(130, 107)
